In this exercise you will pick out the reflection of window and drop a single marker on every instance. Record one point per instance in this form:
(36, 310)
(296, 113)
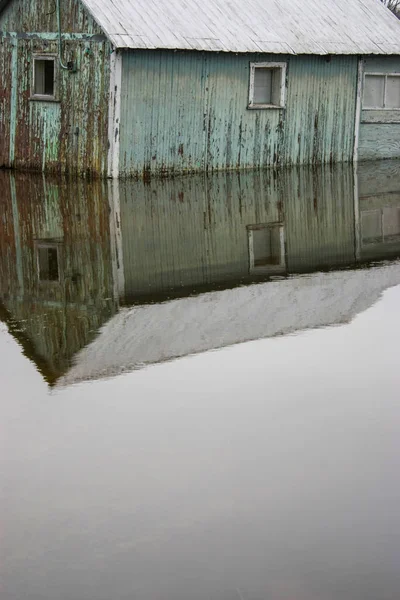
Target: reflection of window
(381, 225)
(48, 262)
(267, 85)
(266, 247)
(44, 74)
(381, 90)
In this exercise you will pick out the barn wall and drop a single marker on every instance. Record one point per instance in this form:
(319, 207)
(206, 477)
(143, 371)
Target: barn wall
(380, 129)
(67, 135)
(188, 112)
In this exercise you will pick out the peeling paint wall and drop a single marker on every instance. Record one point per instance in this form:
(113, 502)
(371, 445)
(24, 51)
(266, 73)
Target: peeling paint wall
(69, 135)
(183, 112)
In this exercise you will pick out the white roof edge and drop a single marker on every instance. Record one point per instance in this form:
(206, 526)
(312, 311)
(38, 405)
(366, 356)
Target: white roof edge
(293, 27)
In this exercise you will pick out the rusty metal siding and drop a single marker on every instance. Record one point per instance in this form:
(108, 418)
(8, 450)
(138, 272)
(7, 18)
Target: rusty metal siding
(6, 53)
(70, 135)
(183, 112)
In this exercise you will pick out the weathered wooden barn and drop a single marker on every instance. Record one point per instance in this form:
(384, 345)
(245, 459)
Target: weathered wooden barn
(130, 88)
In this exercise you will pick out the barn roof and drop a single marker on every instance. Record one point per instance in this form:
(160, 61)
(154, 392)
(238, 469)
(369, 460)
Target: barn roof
(270, 26)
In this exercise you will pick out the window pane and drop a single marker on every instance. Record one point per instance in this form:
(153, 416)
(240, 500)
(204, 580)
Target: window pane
(373, 91)
(44, 77)
(39, 77)
(393, 92)
(262, 86)
(49, 77)
(48, 264)
(391, 223)
(371, 227)
(276, 86)
(266, 246)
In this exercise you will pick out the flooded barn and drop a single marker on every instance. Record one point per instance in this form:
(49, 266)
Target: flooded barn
(127, 88)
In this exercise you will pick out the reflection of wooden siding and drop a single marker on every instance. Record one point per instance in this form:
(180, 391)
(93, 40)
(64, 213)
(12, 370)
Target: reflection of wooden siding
(185, 232)
(192, 232)
(58, 318)
(379, 201)
(320, 218)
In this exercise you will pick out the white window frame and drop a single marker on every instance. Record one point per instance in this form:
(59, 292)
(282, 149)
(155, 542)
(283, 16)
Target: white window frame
(282, 95)
(281, 267)
(394, 239)
(45, 97)
(385, 75)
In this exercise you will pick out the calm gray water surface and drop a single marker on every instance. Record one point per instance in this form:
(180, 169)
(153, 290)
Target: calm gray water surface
(263, 470)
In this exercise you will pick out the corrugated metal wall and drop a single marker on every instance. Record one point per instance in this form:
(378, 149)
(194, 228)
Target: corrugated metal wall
(188, 111)
(69, 135)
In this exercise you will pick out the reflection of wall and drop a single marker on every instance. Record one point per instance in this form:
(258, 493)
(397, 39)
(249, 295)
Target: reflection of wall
(319, 217)
(379, 200)
(192, 231)
(197, 231)
(60, 313)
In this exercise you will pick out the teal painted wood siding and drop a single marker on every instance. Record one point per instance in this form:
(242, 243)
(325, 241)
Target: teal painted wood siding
(188, 111)
(380, 129)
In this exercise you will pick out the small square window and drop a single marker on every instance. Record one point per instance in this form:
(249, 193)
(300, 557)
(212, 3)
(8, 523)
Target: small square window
(392, 92)
(44, 77)
(48, 263)
(267, 85)
(266, 247)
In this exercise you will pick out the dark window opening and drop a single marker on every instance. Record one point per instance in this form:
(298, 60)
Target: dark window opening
(44, 77)
(48, 263)
(267, 247)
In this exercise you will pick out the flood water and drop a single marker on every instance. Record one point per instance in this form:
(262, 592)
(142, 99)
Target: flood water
(200, 386)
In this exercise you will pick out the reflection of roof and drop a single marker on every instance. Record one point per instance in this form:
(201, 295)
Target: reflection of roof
(28, 347)
(160, 332)
(277, 26)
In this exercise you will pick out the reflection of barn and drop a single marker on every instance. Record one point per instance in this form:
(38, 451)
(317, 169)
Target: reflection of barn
(379, 190)
(122, 87)
(55, 267)
(188, 233)
(65, 258)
